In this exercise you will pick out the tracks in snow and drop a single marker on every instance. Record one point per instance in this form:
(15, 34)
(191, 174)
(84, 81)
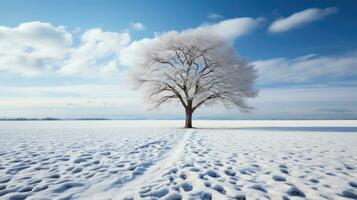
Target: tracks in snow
(131, 188)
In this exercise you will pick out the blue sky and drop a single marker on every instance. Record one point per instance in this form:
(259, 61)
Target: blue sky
(305, 53)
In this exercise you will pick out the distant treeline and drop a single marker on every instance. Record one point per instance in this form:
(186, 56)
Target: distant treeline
(47, 119)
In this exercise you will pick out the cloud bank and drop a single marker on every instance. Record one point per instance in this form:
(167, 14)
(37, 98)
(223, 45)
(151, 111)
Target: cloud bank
(86, 100)
(97, 53)
(36, 48)
(33, 48)
(308, 68)
(300, 18)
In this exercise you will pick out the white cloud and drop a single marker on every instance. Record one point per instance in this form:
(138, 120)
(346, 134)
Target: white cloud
(33, 47)
(97, 54)
(137, 26)
(300, 18)
(228, 30)
(306, 68)
(214, 16)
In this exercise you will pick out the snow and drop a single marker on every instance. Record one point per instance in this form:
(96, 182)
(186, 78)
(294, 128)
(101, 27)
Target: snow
(157, 159)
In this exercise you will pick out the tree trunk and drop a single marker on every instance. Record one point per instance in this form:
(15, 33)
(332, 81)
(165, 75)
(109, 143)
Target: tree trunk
(189, 111)
(188, 123)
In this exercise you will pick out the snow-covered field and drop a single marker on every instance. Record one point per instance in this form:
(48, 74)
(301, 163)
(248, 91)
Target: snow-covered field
(156, 159)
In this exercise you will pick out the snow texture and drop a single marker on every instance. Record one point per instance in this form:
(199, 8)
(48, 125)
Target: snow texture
(104, 160)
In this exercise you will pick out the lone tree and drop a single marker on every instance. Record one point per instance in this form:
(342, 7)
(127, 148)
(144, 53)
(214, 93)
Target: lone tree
(195, 70)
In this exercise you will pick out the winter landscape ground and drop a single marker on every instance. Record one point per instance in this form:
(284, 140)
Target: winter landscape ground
(157, 159)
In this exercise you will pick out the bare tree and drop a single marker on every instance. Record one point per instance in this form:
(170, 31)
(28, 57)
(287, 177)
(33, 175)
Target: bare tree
(195, 70)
